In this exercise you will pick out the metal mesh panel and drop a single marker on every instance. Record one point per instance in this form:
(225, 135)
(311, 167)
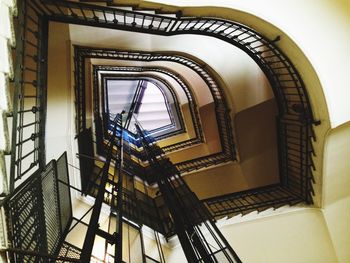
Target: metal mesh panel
(64, 192)
(70, 251)
(25, 221)
(51, 208)
(72, 254)
(34, 213)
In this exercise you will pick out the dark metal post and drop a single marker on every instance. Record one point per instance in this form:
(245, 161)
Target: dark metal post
(118, 250)
(42, 87)
(93, 224)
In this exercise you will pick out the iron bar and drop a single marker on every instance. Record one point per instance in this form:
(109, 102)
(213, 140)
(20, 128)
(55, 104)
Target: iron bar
(93, 224)
(174, 29)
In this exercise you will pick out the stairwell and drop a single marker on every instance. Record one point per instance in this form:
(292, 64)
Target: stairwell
(7, 72)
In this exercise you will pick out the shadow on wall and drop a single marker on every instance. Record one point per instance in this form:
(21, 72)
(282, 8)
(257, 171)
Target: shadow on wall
(257, 139)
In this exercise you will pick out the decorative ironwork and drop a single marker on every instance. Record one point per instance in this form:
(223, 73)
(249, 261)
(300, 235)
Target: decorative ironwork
(191, 101)
(295, 113)
(29, 101)
(222, 112)
(190, 97)
(187, 212)
(156, 81)
(38, 214)
(244, 202)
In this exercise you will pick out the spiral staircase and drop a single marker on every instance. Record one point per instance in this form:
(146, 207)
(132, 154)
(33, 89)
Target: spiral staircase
(203, 139)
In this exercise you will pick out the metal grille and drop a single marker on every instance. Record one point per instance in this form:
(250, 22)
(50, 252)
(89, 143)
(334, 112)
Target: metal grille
(64, 192)
(34, 214)
(29, 93)
(252, 200)
(70, 251)
(25, 219)
(51, 208)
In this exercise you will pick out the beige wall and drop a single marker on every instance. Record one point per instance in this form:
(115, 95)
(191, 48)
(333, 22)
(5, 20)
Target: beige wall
(336, 198)
(60, 123)
(256, 140)
(298, 237)
(295, 237)
(211, 135)
(59, 114)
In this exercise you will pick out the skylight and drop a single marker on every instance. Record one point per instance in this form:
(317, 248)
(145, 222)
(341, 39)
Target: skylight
(153, 113)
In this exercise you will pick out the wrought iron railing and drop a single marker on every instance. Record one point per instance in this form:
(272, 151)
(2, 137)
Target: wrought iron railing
(222, 112)
(244, 202)
(38, 214)
(192, 103)
(173, 113)
(28, 147)
(190, 98)
(29, 96)
(187, 212)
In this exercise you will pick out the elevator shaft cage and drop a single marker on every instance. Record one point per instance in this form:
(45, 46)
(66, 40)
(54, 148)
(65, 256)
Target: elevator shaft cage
(38, 214)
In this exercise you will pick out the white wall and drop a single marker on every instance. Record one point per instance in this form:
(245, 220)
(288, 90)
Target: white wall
(336, 189)
(295, 237)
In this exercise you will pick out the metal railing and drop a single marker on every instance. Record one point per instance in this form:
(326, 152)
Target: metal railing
(29, 99)
(38, 214)
(188, 92)
(174, 127)
(244, 202)
(221, 110)
(187, 212)
(28, 147)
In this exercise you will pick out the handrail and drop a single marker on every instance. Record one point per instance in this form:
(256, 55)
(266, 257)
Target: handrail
(222, 113)
(189, 95)
(156, 81)
(295, 113)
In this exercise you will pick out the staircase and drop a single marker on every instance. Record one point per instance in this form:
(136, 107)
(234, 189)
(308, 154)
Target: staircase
(297, 113)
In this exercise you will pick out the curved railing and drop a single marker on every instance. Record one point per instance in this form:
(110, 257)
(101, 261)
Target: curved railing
(192, 103)
(28, 146)
(159, 82)
(222, 113)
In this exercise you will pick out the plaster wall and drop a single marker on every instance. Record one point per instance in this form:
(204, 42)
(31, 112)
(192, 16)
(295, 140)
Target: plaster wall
(300, 236)
(336, 199)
